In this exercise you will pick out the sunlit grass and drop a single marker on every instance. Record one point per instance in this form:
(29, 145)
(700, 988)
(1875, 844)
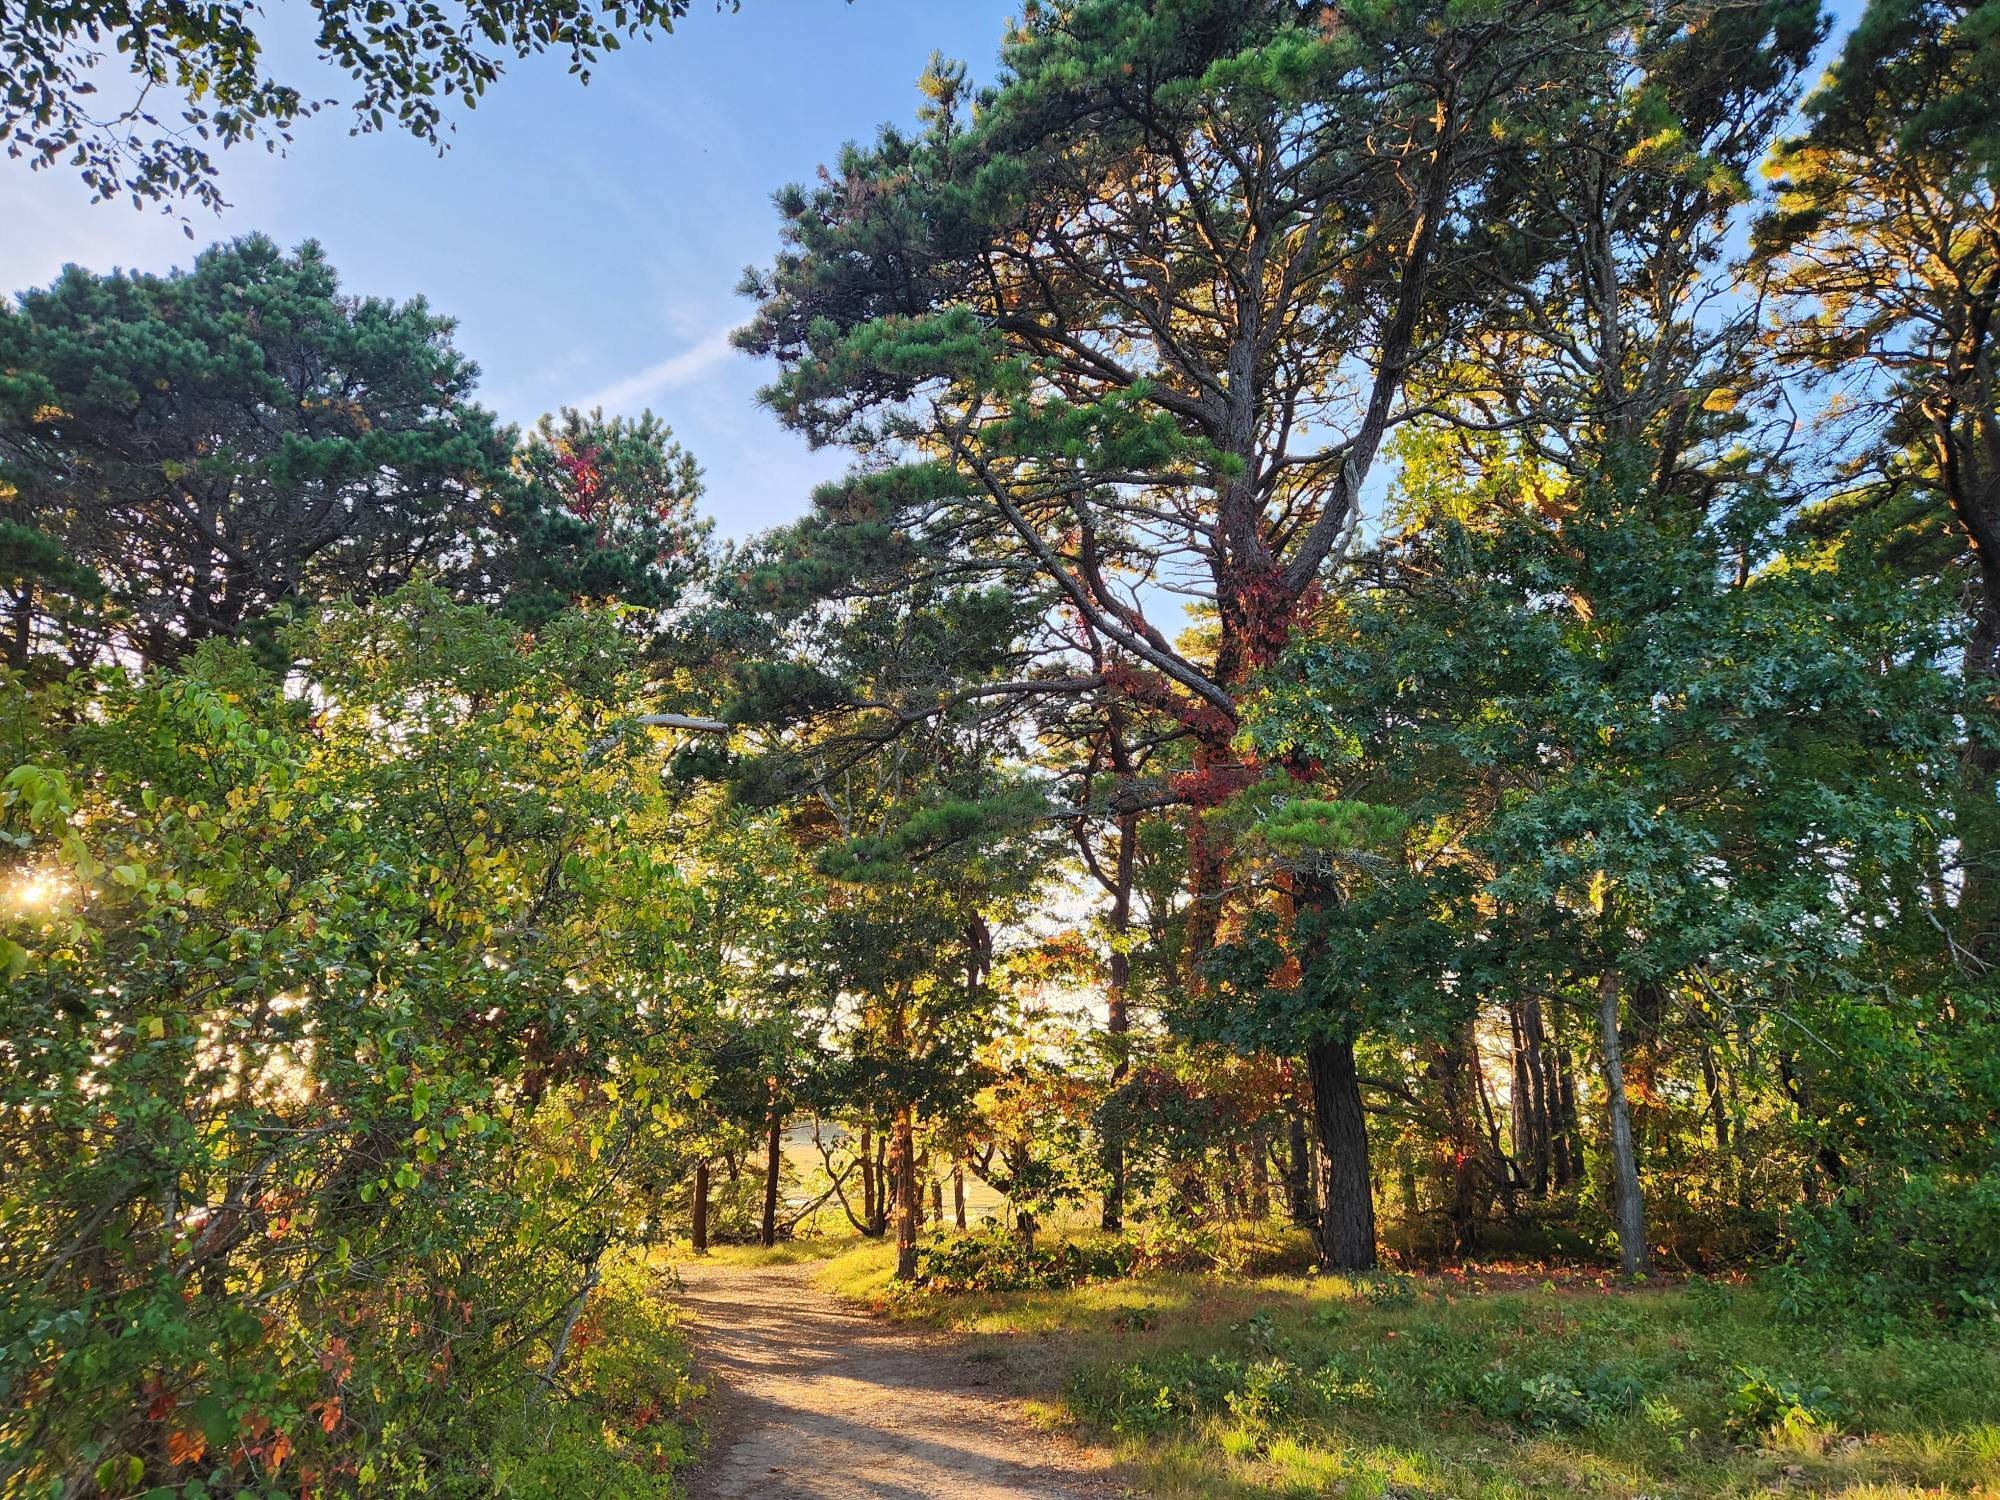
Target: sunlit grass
(1494, 1388)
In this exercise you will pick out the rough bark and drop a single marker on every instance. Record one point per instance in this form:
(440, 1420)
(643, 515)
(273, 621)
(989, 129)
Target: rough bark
(1347, 1216)
(903, 1176)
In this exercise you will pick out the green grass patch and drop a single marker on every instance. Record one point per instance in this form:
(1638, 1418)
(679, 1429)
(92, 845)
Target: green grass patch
(1489, 1387)
(784, 1253)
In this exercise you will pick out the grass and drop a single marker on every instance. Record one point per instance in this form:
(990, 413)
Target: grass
(784, 1253)
(1480, 1386)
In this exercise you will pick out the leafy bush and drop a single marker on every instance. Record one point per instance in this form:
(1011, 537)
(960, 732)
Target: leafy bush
(1559, 1401)
(1931, 1246)
(993, 1260)
(322, 1100)
(1765, 1403)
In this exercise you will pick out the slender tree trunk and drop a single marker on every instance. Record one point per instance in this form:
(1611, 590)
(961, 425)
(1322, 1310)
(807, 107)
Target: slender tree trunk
(1711, 1080)
(774, 1144)
(958, 1195)
(701, 1208)
(1531, 1108)
(1118, 1020)
(1633, 1257)
(1300, 1199)
(1347, 1219)
(868, 1185)
(1569, 1126)
(884, 1188)
(1260, 1177)
(1506, 1174)
(1461, 1142)
(21, 626)
(903, 1172)
(937, 1203)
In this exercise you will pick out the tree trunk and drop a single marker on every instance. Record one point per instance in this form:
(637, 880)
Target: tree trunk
(1633, 1257)
(958, 1195)
(774, 1143)
(1505, 1173)
(1568, 1125)
(937, 1203)
(1531, 1105)
(21, 626)
(1460, 1146)
(1118, 1020)
(903, 1173)
(1300, 1199)
(701, 1208)
(884, 1188)
(871, 1219)
(1347, 1218)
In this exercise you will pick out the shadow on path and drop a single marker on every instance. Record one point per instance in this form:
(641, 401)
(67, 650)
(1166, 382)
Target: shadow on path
(820, 1401)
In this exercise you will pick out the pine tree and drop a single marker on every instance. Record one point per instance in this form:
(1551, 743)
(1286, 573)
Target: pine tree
(1136, 322)
(214, 443)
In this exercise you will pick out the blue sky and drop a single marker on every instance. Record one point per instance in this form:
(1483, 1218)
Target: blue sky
(588, 240)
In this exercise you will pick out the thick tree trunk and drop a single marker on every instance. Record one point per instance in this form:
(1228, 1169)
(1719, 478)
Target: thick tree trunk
(1633, 1257)
(903, 1173)
(1347, 1218)
(774, 1144)
(700, 1235)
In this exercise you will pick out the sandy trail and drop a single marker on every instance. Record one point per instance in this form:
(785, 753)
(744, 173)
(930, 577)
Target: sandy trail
(820, 1401)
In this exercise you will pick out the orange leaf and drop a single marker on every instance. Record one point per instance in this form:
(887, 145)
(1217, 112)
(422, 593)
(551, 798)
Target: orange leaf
(186, 1447)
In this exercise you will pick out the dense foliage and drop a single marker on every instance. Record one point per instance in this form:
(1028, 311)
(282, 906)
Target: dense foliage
(1360, 686)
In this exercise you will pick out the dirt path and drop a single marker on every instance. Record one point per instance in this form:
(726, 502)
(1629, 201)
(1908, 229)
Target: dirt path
(820, 1401)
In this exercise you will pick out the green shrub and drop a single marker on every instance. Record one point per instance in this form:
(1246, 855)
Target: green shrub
(993, 1260)
(1559, 1401)
(1764, 1403)
(1929, 1247)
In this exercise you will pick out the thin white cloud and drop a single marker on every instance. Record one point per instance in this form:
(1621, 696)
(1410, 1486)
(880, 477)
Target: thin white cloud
(643, 385)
